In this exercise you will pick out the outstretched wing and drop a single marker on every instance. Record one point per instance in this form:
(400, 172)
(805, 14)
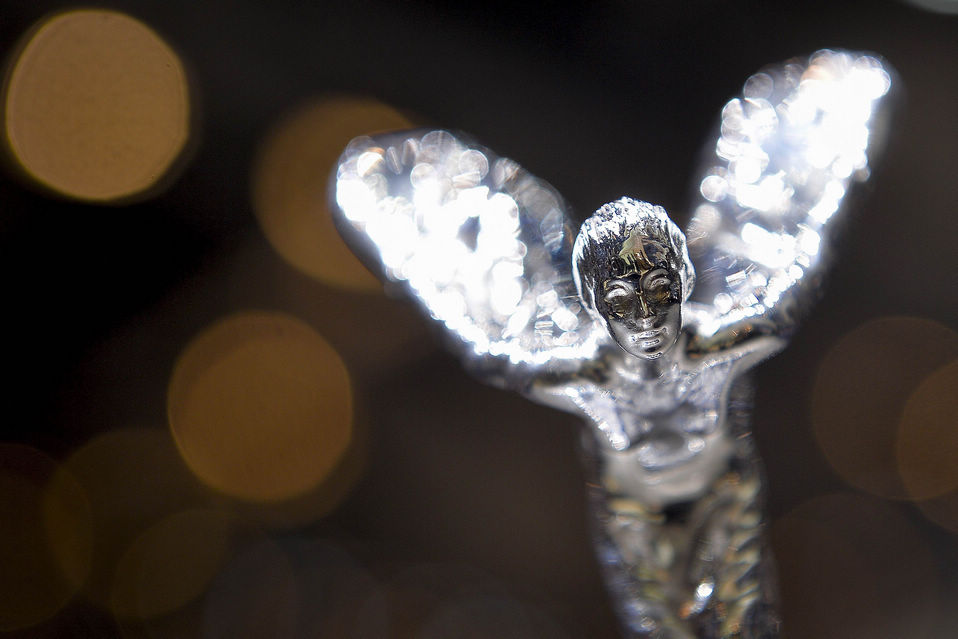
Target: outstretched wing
(787, 153)
(483, 245)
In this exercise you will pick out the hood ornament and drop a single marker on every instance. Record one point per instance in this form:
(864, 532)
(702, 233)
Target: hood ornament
(616, 325)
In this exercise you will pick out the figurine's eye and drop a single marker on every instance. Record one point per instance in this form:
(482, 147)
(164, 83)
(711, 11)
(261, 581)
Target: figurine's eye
(658, 286)
(619, 300)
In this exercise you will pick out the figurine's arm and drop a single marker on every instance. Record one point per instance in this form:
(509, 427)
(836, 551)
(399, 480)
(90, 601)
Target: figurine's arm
(747, 341)
(561, 389)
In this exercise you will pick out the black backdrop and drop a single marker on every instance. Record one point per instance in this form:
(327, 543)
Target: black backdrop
(602, 99)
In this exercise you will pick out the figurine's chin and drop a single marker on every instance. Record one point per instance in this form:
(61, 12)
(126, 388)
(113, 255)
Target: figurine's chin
(649, 348)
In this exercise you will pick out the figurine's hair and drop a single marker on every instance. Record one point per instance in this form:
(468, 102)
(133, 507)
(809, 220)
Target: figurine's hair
(602, 236)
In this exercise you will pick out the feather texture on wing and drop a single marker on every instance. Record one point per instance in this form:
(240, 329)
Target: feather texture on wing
(484, 246)
(785, 156)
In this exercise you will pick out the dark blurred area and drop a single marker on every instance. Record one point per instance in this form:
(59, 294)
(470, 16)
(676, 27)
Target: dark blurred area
(217, 424)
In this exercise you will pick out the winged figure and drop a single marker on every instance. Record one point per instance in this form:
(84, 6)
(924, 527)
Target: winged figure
(645, 332)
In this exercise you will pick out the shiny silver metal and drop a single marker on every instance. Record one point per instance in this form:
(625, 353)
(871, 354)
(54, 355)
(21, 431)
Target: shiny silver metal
(619, 327)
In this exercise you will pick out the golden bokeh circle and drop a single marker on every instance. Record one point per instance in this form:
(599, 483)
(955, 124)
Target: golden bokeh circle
(96, 105)
(928, 436)
(133, 477)
(260, 406)
(942, 510)
(172, 563)
(290, 180)
(38, 578)
(318, 501)
(861, 389)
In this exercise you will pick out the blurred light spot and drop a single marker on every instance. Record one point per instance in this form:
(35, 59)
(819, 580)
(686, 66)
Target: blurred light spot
(419, 592)
(486, 616)
(290, 180)
(35, 579)
(928, 436)
(255, 596)
(759, 87)
(714, 188)
(853, 566)
(942, 510)
(133, 478)
(96, 105)
(319, 500)
(261, 407)
(172, 563)
(344, 600)
(861, 389)
(939, 6)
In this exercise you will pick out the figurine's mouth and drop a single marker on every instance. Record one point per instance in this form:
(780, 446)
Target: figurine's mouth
(651, 339)
(649, 334)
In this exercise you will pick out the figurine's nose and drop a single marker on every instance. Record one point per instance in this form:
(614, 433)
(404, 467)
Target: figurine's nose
(643, 310)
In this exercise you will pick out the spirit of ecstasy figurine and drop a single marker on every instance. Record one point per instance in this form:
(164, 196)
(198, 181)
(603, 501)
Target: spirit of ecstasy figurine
(608, 326)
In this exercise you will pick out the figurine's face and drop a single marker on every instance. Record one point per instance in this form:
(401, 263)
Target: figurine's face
(643, 311)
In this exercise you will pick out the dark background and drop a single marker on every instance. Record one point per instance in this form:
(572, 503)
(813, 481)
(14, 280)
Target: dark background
(478, 491)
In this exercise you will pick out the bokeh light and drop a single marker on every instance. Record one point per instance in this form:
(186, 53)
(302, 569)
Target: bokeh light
(487, 616)
(938, 6)
(96, 105)
(431, 594)
(928, 436)
(133, 478)
(941, 510)
(853, 566)
(343, 600)
(260, 406)
(860, 392)
(318, 501)
(36, 579)
(172, 563)
(290, 180)
(256, 596)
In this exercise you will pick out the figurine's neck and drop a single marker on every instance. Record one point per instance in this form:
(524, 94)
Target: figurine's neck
(650, 369)
(647, 369)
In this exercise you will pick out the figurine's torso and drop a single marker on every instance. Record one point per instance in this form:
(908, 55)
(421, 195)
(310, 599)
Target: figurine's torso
(661, 428)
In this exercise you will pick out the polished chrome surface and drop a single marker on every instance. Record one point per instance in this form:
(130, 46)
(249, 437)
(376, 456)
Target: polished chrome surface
(786, 154)
(611, 328)
(481, 243)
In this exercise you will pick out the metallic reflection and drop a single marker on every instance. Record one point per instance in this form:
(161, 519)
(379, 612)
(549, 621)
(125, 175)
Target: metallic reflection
(289, 192)
(96, 105)
(786, 152)
(486, 250)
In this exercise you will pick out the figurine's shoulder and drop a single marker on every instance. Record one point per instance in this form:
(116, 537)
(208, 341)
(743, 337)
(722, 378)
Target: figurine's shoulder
(742, 345)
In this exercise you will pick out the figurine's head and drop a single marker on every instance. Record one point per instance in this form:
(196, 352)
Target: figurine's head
(633, 272)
